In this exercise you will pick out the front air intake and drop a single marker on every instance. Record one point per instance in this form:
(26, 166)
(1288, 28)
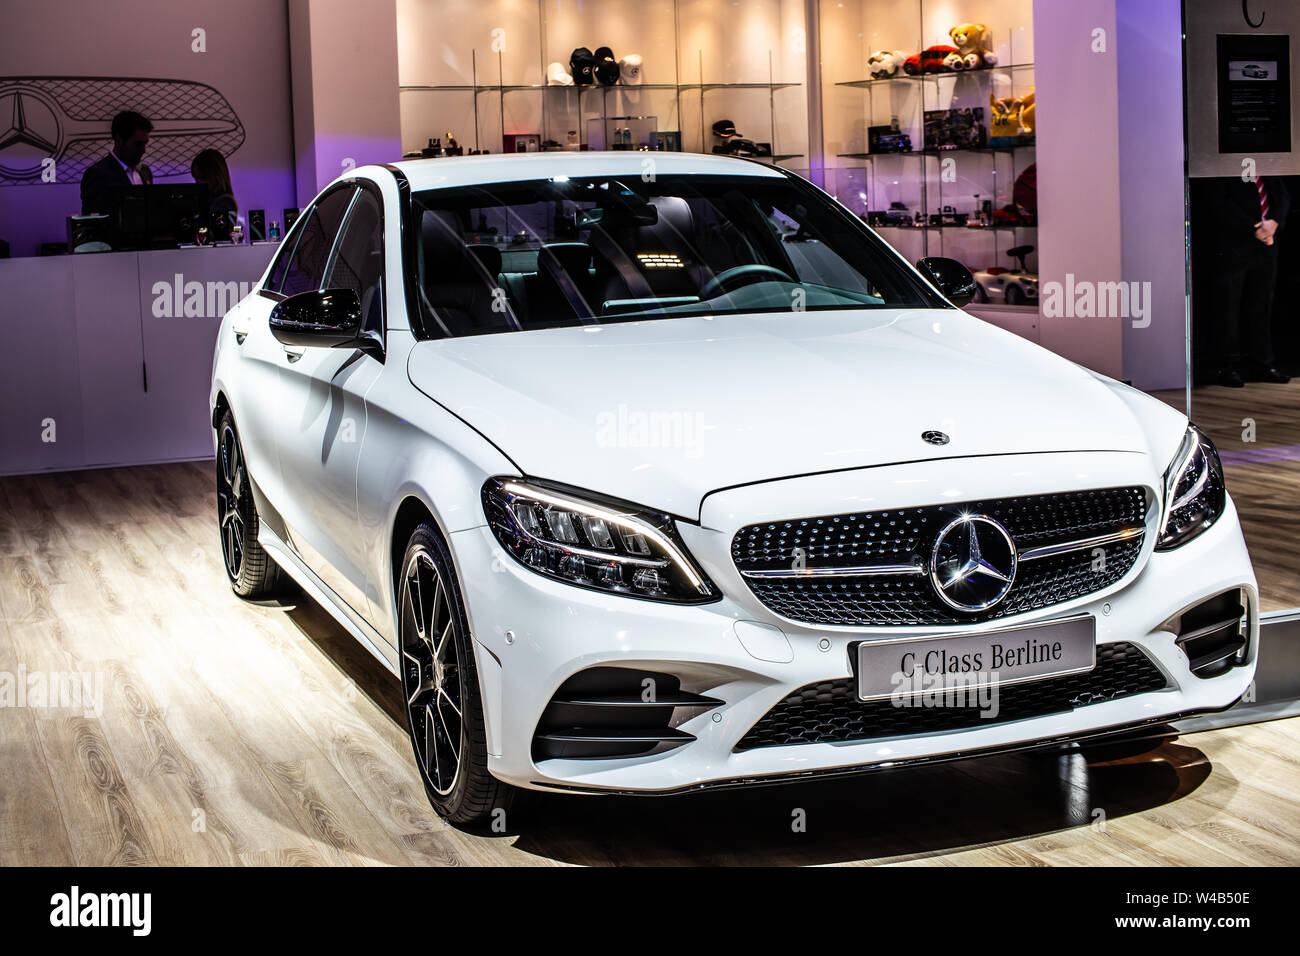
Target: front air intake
(1213, 634)
(608, 712)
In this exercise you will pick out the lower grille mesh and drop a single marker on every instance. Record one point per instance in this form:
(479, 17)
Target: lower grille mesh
(830, 712)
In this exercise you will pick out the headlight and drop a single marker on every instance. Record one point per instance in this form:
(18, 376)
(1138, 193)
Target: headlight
(1195, 494)
(594, 543)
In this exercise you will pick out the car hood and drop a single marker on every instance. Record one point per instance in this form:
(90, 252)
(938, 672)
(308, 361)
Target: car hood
(663, 412)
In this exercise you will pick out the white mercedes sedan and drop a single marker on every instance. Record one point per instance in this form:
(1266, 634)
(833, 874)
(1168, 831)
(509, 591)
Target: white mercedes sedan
(652, 472)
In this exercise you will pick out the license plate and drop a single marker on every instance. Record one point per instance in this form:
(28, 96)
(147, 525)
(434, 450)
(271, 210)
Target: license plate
(911, 666)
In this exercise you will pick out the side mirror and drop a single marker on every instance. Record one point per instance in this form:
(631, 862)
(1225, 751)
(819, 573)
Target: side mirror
(328, 319)
(950, 277)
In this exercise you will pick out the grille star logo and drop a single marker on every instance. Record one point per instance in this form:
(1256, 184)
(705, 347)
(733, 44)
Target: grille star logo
(973, 564)
(32, 134)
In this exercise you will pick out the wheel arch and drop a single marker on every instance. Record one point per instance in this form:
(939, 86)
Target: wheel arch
(411, 512)
(220, 406)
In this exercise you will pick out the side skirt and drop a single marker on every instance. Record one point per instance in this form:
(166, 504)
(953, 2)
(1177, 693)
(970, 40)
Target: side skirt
(319, 592)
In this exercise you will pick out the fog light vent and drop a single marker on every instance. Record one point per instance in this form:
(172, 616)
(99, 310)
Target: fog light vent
(606, 712)
(1213, 634)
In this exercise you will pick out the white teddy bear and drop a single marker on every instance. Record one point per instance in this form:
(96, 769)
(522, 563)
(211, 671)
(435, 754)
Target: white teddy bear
(884, 63)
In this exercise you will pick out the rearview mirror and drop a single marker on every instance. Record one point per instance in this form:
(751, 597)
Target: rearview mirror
(330, 318)
(950, 277)
(618, 215)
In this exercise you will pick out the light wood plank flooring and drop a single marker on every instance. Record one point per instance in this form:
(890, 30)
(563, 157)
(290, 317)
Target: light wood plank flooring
(233, 733)
(1266, 492)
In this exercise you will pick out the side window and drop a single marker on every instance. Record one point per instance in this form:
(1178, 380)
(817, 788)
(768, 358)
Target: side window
(306, 268)
(359, 259)
(276, 279)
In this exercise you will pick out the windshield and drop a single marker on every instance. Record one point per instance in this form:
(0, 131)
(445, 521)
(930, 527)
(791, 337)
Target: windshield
(561, 252)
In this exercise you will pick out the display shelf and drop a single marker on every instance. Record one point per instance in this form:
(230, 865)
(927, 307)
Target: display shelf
(565, 107)
(940, 152)
(536, 87)
(966, 229)
(921, 77)
(924, 180)
(709, 87)
(600, 88)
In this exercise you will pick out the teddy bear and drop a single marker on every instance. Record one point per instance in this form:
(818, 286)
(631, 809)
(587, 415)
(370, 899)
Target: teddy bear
(1012, 119)
(972, 41)
(1027, 113)
(885, 63)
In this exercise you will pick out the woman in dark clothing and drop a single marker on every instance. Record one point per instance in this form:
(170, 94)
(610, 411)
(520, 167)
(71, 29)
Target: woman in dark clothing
(209, 169)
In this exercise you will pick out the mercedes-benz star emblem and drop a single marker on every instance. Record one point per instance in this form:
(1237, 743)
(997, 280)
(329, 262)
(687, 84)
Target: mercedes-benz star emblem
(32, 133)
(973, 563)
(67, 120)
(934, 437)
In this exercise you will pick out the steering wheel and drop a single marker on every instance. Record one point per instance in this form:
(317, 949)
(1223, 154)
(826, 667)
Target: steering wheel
(742, 275)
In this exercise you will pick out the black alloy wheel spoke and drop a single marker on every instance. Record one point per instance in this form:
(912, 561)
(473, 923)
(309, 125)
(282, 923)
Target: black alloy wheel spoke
(431, 673)
(230, 506)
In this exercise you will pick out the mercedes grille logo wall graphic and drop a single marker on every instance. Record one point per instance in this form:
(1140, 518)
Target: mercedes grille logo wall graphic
(68, 119)
(973, 563)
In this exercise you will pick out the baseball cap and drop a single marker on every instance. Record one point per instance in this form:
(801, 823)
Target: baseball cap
(629, 72)
(724, 128)
(606, 68)
(582, 64)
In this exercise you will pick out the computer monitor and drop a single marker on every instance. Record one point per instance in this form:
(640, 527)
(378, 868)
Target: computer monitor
(91, 233)
(158, 216)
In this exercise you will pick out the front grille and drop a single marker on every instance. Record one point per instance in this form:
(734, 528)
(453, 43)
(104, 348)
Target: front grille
(907, 536)
(830, 712)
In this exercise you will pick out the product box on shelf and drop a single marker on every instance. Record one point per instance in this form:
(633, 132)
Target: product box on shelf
(956, 129)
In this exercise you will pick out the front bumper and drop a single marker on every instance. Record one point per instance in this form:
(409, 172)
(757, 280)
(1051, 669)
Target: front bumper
(532, 634)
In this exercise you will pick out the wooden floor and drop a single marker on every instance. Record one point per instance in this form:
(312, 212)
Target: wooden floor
(1266, 491)
(232, 733)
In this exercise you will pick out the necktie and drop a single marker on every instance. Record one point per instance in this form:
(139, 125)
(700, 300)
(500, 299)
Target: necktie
(1263, 198)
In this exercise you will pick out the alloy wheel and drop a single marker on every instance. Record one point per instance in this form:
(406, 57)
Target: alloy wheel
(232, 487)
(432, 673)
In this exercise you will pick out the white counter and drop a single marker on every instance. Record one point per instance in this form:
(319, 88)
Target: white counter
(101, 367)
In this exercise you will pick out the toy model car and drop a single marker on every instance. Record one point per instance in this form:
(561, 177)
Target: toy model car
(932, 60)
(1011, 286)
(896, 215)
(949, 216)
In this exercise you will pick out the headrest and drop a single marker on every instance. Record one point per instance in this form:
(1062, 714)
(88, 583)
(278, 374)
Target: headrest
(675, 212)
(448, 258)
(571, 258)
(488, 255)
(441, 245)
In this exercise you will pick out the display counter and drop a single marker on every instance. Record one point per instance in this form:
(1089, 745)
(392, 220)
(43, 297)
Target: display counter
(109, 356)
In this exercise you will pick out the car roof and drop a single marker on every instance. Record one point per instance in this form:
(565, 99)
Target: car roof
(513, 167)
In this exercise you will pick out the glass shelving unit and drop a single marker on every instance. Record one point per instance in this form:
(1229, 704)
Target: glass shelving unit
(686, 106)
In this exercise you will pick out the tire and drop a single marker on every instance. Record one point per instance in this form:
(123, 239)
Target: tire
(250, 570)
(437, 659)
(980, 294)
(1015, 296)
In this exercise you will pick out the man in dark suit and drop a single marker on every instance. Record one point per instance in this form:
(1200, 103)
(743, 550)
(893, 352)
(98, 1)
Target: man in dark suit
(1248, 215)
(122, 166)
